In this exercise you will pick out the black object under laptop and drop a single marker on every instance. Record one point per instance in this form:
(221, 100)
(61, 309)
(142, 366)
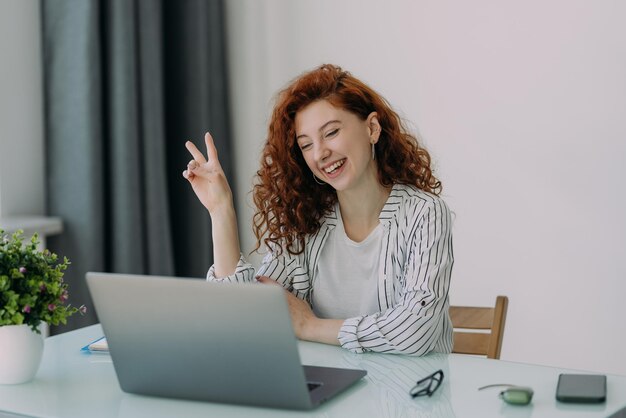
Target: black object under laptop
(217, 342)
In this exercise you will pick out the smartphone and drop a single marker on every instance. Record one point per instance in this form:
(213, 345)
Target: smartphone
(581, 388)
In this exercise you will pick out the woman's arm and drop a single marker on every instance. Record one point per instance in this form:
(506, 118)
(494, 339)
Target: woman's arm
(291, 272)
(305, 324)
(209, 183)
(226, 251)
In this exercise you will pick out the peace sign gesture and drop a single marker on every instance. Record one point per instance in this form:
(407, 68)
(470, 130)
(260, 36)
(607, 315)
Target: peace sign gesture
(207, 177)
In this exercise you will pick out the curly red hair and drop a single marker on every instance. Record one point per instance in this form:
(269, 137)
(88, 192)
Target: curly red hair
(290, 204)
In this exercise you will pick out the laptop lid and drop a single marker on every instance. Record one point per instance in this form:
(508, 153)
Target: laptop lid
(219, 342)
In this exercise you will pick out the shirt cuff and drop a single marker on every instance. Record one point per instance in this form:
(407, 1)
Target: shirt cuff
(348, 335)
(244, 272)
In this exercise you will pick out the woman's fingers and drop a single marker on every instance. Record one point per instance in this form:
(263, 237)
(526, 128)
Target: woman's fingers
(188, 173)
(211, 151)
(195, 152)
(198, 156)
(266, 280)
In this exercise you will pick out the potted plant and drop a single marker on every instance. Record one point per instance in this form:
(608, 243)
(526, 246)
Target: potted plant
(32, 291)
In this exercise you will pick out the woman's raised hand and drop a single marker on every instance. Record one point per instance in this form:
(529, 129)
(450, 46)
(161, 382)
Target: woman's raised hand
(210, 185)
(207, 177)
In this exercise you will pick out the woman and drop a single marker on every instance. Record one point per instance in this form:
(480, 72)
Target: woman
(348, 207)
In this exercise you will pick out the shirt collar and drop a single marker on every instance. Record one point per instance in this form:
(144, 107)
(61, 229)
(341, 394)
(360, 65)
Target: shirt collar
(392, 205)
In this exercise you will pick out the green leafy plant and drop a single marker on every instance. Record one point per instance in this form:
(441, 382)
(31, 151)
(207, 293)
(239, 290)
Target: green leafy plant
(32, 289)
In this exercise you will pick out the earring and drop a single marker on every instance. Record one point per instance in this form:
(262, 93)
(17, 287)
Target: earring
(373, 152)
(321, 183)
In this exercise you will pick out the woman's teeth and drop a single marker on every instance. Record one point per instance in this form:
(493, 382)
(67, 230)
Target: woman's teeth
(335, 166)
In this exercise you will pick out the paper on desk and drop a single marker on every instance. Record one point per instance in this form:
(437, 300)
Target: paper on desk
(98, 346)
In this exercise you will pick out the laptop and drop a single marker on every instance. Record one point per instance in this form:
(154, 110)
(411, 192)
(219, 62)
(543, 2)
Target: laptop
(217, 342)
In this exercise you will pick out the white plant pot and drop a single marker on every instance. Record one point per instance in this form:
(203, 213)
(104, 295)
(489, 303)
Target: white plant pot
(20, 354)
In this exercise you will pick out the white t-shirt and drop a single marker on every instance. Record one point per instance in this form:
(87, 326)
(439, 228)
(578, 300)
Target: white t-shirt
(347, 281)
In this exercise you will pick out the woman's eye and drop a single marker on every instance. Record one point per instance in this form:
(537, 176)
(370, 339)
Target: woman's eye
(332, 133)
(304, 147)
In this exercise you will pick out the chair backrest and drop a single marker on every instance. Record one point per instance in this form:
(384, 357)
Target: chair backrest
(479, 319)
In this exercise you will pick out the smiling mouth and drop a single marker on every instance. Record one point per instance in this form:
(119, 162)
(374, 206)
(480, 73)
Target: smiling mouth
(333, 167)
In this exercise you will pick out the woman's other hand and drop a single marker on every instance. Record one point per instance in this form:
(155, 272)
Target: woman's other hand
(305, 324)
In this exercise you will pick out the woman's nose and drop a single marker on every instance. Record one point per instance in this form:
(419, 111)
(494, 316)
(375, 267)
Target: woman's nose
(321, 152)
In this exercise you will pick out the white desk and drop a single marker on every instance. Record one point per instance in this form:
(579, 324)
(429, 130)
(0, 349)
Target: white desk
(74, 384)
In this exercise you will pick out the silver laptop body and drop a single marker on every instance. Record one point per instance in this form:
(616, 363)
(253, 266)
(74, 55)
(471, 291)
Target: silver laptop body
(217, 342)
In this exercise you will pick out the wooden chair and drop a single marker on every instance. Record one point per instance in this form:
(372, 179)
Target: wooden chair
(478, 318)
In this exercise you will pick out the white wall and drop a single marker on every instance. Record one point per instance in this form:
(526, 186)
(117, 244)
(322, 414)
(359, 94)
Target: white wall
(522, 105)
(21, 110)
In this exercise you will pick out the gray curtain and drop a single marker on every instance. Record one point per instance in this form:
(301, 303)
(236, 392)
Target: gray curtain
(127, 82)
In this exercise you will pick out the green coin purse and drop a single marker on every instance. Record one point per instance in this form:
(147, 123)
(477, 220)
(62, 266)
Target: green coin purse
(513, 395)
(517, 395)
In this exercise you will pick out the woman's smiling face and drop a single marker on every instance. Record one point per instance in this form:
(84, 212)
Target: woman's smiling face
(337, 144)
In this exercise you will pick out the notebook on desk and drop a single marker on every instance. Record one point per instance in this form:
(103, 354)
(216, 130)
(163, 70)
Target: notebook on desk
(186, 338)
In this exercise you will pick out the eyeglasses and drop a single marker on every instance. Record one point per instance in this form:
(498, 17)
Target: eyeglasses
(428, 385)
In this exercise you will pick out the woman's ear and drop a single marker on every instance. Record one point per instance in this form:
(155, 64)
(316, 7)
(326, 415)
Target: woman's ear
(373, 127)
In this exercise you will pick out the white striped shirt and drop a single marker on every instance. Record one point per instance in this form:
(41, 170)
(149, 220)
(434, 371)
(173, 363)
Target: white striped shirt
(413, 280)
